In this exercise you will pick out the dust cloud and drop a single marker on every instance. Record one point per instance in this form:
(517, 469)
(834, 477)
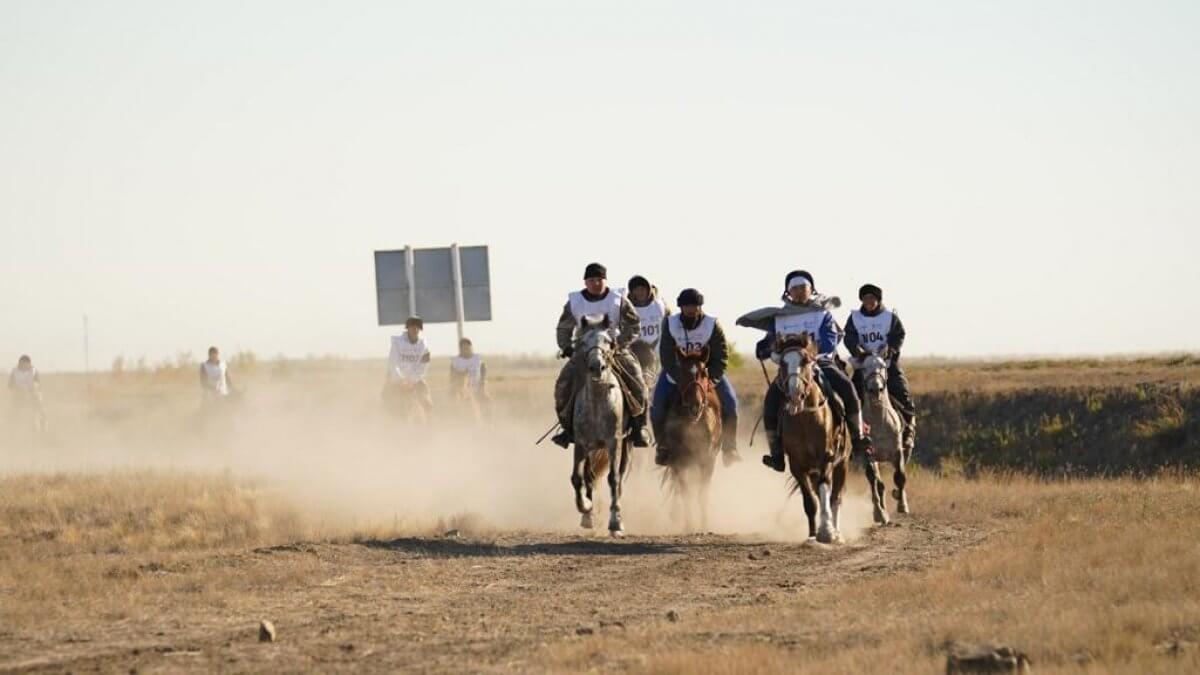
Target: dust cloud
(325, 440)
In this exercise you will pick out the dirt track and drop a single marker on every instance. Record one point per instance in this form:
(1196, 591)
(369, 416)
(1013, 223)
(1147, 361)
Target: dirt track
(454, 604)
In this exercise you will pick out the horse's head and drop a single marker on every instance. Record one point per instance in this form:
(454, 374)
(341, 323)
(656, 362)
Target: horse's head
(874, 372)
(694, 385)
(798, 353)
(597, 343)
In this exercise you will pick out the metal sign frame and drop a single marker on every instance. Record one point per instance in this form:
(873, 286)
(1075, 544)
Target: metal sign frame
(433, 280)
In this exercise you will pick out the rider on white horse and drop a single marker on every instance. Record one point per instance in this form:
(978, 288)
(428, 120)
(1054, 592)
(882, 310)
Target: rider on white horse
(800, 294)
(597, 298)
(875, 329)
(26, 386)
(651, 311)
(693, 330)
(408, 361)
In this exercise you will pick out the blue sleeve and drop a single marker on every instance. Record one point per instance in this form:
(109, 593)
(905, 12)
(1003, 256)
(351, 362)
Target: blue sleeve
(828, 339)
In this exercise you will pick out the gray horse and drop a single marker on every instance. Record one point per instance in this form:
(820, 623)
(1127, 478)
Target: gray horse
(600, 443)
(886, 432)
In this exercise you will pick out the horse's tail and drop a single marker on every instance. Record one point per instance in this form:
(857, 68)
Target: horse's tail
(598, 463)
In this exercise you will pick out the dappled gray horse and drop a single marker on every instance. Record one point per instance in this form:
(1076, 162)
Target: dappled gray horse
(886, 432)
(599, 411)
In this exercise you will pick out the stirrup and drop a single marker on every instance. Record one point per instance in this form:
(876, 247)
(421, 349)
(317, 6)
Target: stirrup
(774, 462)
(563, 439)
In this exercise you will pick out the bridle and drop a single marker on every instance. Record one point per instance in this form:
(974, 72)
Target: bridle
(796, 403)
(699, 381)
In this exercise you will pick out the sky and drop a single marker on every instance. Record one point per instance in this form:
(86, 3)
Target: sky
(1020, 177)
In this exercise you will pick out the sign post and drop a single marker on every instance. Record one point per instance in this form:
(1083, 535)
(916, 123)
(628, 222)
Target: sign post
(460, 314)
(441, 285)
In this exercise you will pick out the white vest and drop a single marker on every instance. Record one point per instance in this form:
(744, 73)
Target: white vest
(406, 362)
(472, 367)
(214, 374)
(651, 317)
(609, 306)
(872, 330)
(24, 379)
(693, 339)
(795, 324)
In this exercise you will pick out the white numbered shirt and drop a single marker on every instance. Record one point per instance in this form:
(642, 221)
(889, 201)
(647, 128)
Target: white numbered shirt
(214, 377)
(651, 317)
(407, 362)
(807, 322)
(25, 380)
(471, 366)
(609, 305)
(691, 339)
(872, 330)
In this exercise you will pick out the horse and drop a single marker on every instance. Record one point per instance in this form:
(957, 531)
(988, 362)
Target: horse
(467, 403)
(887, 434)
(599, 420)
(817, 447)
(692, 434)
(405, 400)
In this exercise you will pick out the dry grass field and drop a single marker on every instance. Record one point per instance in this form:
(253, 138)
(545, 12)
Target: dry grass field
(144, 533)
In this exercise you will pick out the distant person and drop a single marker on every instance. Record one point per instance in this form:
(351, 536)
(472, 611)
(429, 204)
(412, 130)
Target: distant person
(596, 298)
(408, 362)
(468, 372)
(651, 311)
(214, 377)
(692, 330)
(26, 387)
(875, 329)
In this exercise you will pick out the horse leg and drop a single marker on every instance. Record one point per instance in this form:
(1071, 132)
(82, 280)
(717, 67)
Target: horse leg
(875, 485)
(839, 486)
(810, 504)
(825, 532)
(706, 474)
(617, 454)
(683, 493)
(901, 478)
(580, 478)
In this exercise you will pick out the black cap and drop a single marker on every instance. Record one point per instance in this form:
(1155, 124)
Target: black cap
(414, 321)
(799, 273)
(690, 296)
(872, 289)
(638, 281)
(595, 270)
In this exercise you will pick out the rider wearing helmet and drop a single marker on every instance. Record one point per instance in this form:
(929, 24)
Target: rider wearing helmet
(693, 330)
(875, 329)
(800, 292)
(597, 298)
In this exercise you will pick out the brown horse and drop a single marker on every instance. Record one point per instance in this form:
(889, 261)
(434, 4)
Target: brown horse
(692, 435)
(817, 447)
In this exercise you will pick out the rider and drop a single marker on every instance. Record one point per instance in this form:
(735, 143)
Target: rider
(597, 298)
(214, 376)
(875, 329)
(692, 330)
(409, 360)
(26, 386)
(470, 367)
(651, 312)
(801, 292)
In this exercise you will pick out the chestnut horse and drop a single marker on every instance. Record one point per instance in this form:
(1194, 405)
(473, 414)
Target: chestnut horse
(817, 447)
(692, 435)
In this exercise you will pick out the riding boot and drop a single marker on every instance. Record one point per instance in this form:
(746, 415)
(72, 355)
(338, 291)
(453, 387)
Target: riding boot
(729, 449)
(774, 460)
(908, 437)
(565, 437)
(637, 432)
(860, 440)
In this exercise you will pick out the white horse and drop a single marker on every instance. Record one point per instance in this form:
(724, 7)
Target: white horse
(600, 443)
(887, 430)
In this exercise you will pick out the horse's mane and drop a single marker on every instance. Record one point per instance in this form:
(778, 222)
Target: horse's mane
(802, 341)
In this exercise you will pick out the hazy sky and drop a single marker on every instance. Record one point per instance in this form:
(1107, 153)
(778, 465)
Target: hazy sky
(1018, 176)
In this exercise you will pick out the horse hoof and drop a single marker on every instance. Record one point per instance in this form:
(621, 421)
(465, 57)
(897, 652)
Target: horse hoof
(881, 517)
(902, 507)
(825, 536)
(585, 521)
(616, 534)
